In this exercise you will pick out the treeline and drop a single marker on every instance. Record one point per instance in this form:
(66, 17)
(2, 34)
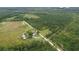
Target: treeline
(32, 46)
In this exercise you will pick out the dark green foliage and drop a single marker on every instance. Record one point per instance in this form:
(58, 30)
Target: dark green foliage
(57, 23)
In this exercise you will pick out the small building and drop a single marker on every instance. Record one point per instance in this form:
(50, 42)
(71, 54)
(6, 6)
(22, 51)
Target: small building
(35, 33)
(23, 36)
(30, 34)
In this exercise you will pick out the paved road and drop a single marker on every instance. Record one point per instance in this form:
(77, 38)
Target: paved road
(59, 49)
(50, 43)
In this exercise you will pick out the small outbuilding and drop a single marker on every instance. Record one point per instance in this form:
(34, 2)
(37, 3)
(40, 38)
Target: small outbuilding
(29, 34)
(23, 36)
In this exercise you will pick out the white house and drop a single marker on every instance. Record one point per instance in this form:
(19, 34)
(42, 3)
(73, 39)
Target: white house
(24, 36)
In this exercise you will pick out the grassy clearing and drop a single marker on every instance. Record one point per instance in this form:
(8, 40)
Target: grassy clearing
(31, 16)
(10, 33)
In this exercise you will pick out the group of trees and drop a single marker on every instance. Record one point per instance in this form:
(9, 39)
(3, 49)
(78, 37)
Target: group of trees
(29, 46)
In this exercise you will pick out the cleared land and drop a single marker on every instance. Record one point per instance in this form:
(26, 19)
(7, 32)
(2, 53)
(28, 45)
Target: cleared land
(10, 38)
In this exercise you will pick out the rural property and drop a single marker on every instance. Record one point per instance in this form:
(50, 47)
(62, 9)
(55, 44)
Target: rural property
(39, 29)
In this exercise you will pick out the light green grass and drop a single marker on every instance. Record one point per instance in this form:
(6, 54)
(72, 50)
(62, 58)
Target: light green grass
(10, 35)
